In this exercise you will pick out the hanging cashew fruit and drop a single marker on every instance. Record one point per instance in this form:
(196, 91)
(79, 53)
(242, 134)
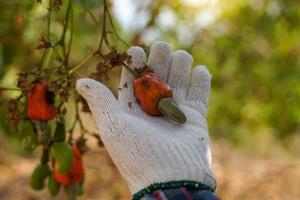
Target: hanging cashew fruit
(40, 103)
(63, 155)
(75, 174)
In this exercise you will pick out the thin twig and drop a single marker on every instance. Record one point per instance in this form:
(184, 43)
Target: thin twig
(134, 73)
(113, 26)
(77, 115)
(49, 21)
(48, 34)
(77, 120)
(103, 33)
(10, 89)
(71, 34)
(48, 58)
(65, 28)
(71, 71)
(56, 52)
(89, 11)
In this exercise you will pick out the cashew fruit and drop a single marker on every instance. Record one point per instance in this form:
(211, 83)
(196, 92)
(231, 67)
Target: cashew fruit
(63, 155)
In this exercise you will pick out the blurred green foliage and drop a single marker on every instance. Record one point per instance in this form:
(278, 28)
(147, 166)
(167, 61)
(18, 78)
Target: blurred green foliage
(251, 47)
(256, 69)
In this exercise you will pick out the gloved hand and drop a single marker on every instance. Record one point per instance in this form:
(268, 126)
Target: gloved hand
(155, 152)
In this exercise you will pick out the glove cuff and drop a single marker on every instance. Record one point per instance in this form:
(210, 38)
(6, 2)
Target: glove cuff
(193, 185)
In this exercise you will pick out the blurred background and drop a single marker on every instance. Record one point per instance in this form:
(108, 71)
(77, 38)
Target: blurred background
(252, 49)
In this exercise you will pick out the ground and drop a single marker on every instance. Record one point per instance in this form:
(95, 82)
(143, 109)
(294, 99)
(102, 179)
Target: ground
(239, 176)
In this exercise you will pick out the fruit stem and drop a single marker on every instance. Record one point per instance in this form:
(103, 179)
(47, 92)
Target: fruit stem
(134, 73)
(81, 63)
(44, 133)
(45, 156)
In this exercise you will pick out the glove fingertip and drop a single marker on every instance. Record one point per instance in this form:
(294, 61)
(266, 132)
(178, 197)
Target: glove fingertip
(202, 70)
(201, 76)
(182, 55)
(82, 85)
(138, 56)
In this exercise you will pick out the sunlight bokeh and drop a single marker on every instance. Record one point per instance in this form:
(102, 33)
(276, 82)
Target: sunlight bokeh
(199, 2)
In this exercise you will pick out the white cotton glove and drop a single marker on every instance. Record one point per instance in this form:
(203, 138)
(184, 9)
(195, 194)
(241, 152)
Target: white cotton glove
(148, 149)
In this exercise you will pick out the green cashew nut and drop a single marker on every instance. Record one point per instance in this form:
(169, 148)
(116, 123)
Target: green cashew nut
(81, 189)
(168, 107)
(39, 175)
(53, 186)
(62, 153)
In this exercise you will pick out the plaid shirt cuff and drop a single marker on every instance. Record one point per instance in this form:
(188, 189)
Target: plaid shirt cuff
(181, 193)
